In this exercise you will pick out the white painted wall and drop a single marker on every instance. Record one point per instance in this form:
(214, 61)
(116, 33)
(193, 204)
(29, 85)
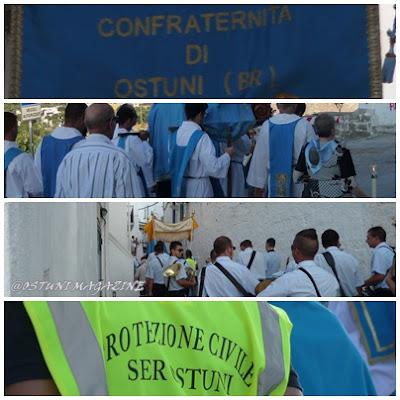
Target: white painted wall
(50, 242)
(258, 221)
(120, 259)
(58, 242)
(382, 114)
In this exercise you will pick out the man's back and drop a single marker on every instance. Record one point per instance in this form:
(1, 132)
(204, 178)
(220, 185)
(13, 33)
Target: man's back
(347, 268)
(298, 284)
(260, 164)
(156, 264)
(273, 262)
(156, 348)
(257, 267)
(203, 163)
(22, 178)
(96, 168)
(216, 284)
(50, 153)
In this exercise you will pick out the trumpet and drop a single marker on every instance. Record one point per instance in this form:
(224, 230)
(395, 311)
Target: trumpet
(172, 270)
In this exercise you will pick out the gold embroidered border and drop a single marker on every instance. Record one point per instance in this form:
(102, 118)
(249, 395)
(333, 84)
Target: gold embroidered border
(379, 347)
(374, 51)
(16, 31)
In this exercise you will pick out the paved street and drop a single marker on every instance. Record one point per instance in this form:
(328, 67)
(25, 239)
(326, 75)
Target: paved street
(380, 150)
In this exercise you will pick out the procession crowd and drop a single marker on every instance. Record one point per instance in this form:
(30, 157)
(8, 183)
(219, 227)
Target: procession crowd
(309, 272)
(96, 153)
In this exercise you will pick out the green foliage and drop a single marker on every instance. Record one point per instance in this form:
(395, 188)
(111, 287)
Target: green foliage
(38, 130)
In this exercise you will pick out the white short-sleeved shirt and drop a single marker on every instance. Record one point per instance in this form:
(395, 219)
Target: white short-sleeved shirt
(259, 167)
(204, 162)
(258, 265)
(381, 261)
(156, 264)
(97, 168)
(298, 284)
(140, 273)
(383, 373)
(22, 178)
(216, 284)
(347, 267)
(173, 284)
(291, 266)
(273, 263)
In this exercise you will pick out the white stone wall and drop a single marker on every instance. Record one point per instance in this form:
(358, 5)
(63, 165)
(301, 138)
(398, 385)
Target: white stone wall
(58, 242)
(50, 242)
(258, 221)
(120, 259)
(383, 115)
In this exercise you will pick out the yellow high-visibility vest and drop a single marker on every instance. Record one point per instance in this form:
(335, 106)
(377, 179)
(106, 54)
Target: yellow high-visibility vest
(164, 348)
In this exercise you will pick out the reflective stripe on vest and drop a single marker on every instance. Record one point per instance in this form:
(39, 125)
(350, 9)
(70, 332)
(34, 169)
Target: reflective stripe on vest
(83, 352)
(77, 359)
(274, 370)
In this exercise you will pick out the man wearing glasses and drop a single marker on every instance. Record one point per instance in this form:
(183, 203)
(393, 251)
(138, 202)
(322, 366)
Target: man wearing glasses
(178, 283)
(97, 168)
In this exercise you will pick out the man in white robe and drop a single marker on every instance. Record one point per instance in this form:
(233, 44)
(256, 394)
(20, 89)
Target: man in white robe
(96, 168)
(21, 177)
(53, 148)
(139, 151)
(203, 163)
(259, 172)
(242, 147)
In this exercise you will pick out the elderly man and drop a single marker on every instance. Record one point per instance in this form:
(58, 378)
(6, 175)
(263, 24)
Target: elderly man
(53, 148)
(21, 178)
(277, 150)
(309, 280)
(97, 168)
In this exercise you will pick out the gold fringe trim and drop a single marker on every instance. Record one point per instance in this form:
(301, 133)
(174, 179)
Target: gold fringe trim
(16, 31)
(374, 51)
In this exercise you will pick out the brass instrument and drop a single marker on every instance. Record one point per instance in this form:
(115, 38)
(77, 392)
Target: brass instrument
(172, 270)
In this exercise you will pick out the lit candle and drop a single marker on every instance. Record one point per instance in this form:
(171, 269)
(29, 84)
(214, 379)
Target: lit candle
(374, 179)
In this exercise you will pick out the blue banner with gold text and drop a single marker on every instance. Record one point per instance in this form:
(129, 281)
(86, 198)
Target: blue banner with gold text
(196, 51)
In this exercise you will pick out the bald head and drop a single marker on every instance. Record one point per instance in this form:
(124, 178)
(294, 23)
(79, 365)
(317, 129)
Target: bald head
(287, 108)
(99, 119)
(305, 245)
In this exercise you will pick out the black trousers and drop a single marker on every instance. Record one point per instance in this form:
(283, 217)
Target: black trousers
(176, 293)
(159, 290)
(163, 188)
